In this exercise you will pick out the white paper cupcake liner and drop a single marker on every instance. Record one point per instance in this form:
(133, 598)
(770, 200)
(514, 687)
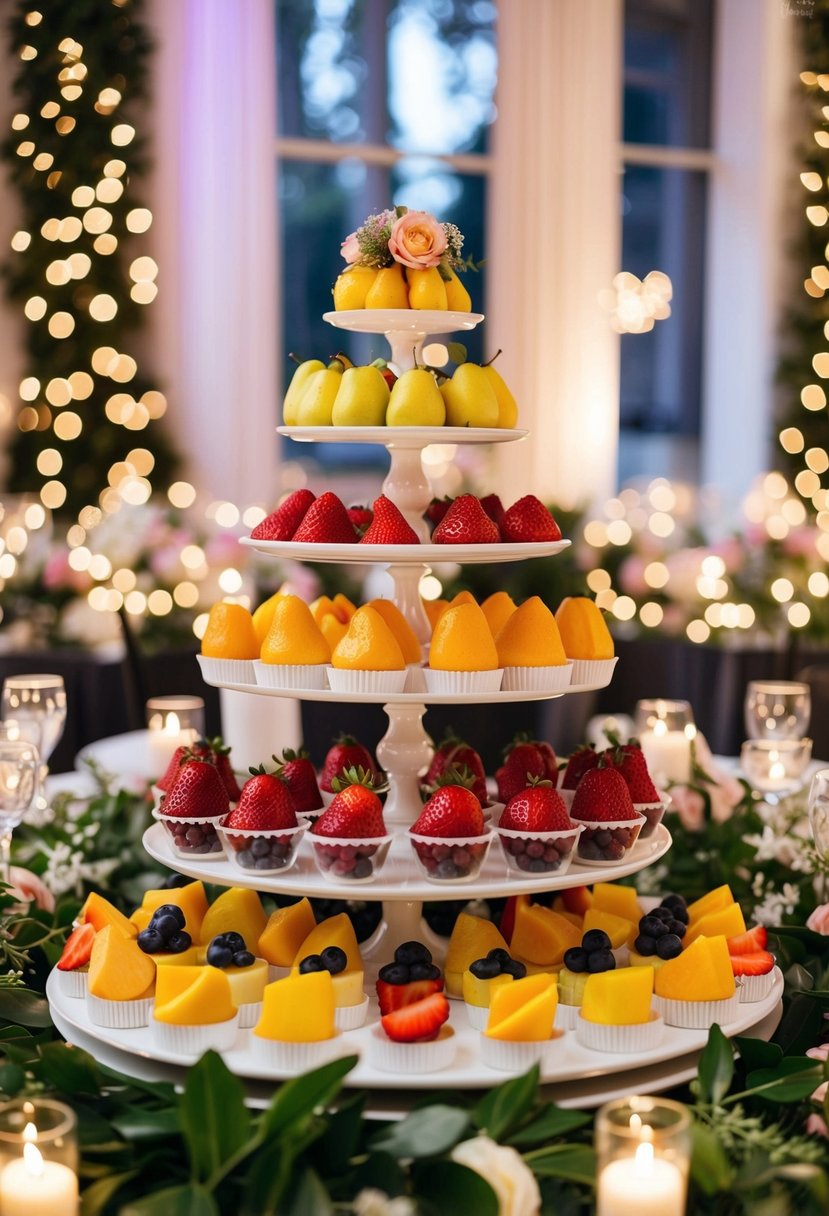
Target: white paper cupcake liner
(119, 1015)
(403, 1058)
(593, 671)
(751, 988)
(567, 1016)
(349, 1017)
(620, 1040)
(227, 671)
(296, 1057)
(507, 1056)
(463, 683)
(194, 1040)
(697, 1015)
(249, 1014)
(72, 983)
(289, 675)
(478, 1015)
(349, 680)
(537, 679)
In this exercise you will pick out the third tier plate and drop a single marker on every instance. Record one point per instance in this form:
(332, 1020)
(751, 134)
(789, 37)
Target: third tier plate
(402, 436)
(423, 554)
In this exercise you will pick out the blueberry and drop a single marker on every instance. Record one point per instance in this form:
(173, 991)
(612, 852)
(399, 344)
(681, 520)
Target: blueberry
(681, 914)
(423, 971)
(595, 939)
(177, 943)
(651, 926)
(219, 955)
(176, 880)
(166, 925)
(234, 940)
(575, 959)
(170, 910)
(500, 955)
(447, 869)
(243, 958)
(514, 968)
(412, 952)
(669, 946)
(677, 927)
(645, 945)
(485, 968)
(663, 913)
(334, 959)
(600, 960)
(363, 868)
(150, 941)
(674, 902)
(312, 962)
(260, 847)
(394, 973)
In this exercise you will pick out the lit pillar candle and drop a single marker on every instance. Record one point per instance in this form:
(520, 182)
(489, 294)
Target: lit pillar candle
(668, 752)
(642, 1185)
(30, 1186)
(172, 722)
(163, 743)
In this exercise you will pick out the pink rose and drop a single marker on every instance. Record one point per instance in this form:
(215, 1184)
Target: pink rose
(816, 1126)
(821, 1052)
(632, 575)
(690, 806)
(417, 240)
(818, 922)
(29, 887)
(350, 249)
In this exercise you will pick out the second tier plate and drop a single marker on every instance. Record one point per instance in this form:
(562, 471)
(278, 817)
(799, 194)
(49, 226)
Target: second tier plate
(426, 555)
(402, 436)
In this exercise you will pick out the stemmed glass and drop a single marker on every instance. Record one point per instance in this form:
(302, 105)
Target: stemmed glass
(19, 769)
(34, 706)
(777, 709)
(819, 820)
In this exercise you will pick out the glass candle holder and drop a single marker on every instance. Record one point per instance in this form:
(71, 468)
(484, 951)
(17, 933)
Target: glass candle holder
(643, 1151)
(172, 722)
(665, 730)
(777, 709)
(38, 1158)
(819, 812)
(775, 766)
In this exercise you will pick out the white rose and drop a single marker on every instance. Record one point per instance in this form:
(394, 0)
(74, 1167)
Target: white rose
(371, 1202)
(505, 1171)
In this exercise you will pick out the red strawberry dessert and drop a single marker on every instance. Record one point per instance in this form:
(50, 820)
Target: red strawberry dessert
(326, 522)
(436, 510)
(528, 521)
(493, 507)
(299, 774)
(454, 753)
(389, 526)
(282, 523)
(194, 806)
(449, 836)
(629, 760)
(752, 963)
(580, 762)
(78, 949)
(345, 752)
(612, 824)
(419, 1022)
(411, 977)
(354, 842)
(760, 962)
(262, 829)
(524, 760)
(466, 523)
(536, 832)
(221, 758)
(360, 517)
(749, 942)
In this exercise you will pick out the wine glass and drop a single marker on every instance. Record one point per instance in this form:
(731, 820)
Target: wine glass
(775, 767)
(36, 702)
(777, 709)
(819, 812)
(19, 769)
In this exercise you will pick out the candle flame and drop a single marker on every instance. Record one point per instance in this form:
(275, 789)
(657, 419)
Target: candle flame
(172, 726)
(636, 1123)
(643, 1161)
(777, 770)
(33, 1158)
(29, 1133)
(660, 727)
(690, 731)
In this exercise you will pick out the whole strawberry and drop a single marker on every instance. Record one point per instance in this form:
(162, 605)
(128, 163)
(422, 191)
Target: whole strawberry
(436, 510)
(494, 508)
(355, 812)
(529, 520)
(326, 522)
(182, 753)
(298, 773)
(455, 753)
(522, 762)
(265, 804)
(603, 797)
(389, 526)
(629, 760)
(580, 762)
(536, 809)
(466, 523)
(345, 753)
(361, 518)
(282, 523)
(221, 758)
(451, 812)
(198, 792)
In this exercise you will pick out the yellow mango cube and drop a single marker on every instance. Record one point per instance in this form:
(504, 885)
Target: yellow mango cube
(712, 901)
(285, 932)
(620, 901)
(191, 898)
(298, 1009)
(471, 938)
(619, 998)
(541, 936)
(237, 910)
(193, 996)
(702, 972)
(728, 921)
(524, 1011)
(333, 931)
(99, 912)
(119, 970)
(480, 992)
(617, 928)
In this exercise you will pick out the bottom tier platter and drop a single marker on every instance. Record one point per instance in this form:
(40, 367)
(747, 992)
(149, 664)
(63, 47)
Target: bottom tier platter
(570, 1064)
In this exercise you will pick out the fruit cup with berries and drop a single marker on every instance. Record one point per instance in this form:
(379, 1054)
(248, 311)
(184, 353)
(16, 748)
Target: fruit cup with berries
(536, 833)
(629, 759)
(450, 838)
(602, 803)
(262, 832)
(193, 809)
(349, 838)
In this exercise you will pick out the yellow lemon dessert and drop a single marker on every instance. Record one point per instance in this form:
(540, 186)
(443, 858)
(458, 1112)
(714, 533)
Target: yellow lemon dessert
(530, 649)
(586, 640)
(434, 610)
(229, 645)
(462, 654)
(498, 608)
(368, 658)
(400, 627)
(263, 616)
(294, 652)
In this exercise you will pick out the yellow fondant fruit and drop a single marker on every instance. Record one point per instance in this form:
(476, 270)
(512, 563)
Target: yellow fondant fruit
(530, 638)
(434, 609)
(119, 970)
(524, 1011)
(462, 597)
(702, 972)
(334, 931)
(584, 633)
(191, 899)
(294, 635)
(461, 641)
(99, 913)
(348, 989)
(541, 936)
(362, 398)
(388, 289)
(458, 298)
(297, 387)
(621, 901)
(426, 289)
(507, 405)
(480, 992)
(298, 1009)
(333, 630)
(416, 400)
(368, 645)
(619, 998)
(229, 633)
(316, 403)
(352, 286)
(498, 608)
(400, 627)
(263, 616)
(343, 606)
(712, 901)
(322, 605)
(470, 398)
(193, 996)
(239, 910)
(247, 984)
(617, 928)
(471, 938)
(285, 932)
(728, 921)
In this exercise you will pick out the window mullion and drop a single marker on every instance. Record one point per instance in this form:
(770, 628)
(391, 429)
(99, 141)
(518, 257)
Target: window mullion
(324, 152)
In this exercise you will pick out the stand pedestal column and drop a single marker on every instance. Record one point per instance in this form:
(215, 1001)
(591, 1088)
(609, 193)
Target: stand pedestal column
(404, 751)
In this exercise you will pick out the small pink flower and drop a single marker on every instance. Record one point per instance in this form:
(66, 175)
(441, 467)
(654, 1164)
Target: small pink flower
(57, 573)
(818, 922)
(816, 1126)
(31, 889)
(350, 249)
(801, 542)
(690, 806)
(632, 576)
(417, 240)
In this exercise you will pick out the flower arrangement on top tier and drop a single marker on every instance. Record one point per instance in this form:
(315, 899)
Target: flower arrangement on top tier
(403, 259)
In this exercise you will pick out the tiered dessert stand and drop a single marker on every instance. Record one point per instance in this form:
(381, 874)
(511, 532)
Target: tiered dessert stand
(578, 1076)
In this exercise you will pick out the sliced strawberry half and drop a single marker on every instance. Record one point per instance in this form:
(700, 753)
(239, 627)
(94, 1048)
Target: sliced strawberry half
(758, 963)
(750, 942)
(398, 996)
(78, 949)
(417, 1023)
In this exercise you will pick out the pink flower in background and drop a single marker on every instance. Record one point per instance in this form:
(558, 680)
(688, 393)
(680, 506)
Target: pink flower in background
(57, 573)
(222, 550)
(724, 791)
(818, 922)
(632, 576)
(801, 542)
(350, 249)
(31, 889)
(690, 806)
(165, 562)
(821, 1052)
(417, 240)
(732, 553)
(816, 1126)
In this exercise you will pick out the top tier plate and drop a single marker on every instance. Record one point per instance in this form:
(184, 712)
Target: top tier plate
(412, 437)
(402, 320)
